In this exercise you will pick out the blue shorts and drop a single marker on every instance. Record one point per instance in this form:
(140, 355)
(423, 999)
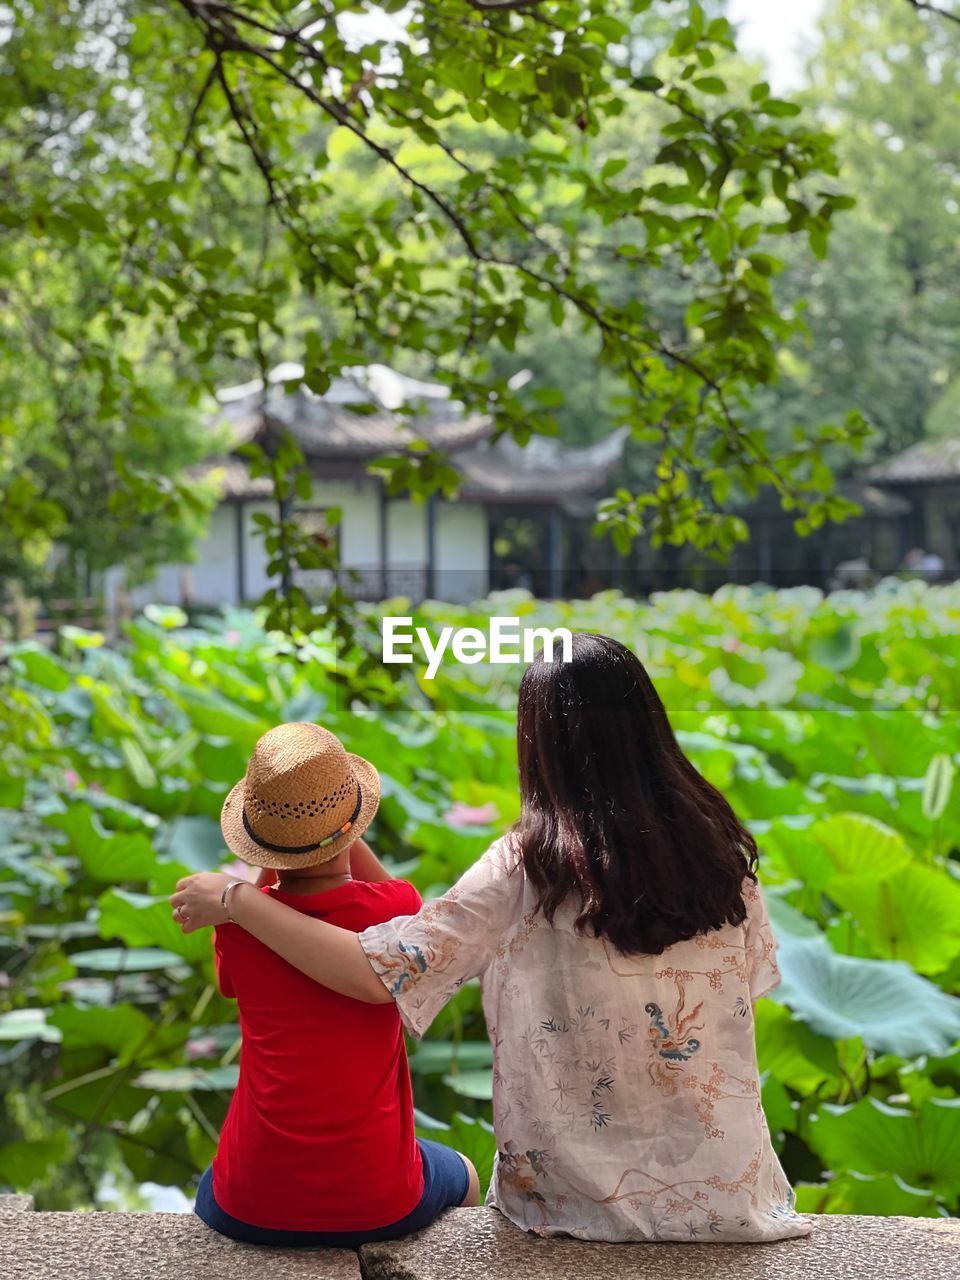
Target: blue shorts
(445, 1185)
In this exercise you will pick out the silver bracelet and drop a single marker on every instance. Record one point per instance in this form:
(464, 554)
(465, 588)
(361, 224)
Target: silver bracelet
(223, 897)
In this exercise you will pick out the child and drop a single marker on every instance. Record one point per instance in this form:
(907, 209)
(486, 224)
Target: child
(621, 938)
(318, 1146)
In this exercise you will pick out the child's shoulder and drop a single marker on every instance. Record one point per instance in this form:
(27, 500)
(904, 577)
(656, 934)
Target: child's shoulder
(388, 898)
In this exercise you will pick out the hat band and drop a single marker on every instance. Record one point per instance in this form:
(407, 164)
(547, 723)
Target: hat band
(304, 848)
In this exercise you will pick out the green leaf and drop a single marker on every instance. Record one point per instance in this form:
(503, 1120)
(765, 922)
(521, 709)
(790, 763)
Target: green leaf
(937, 786)
(710, 84)
(216, 715)
(42, 668)
(779, 1109)
(777, 107)
(188, 1079)
(28, 1024)
(861, 846)
(117, 717)
(873, 1138)
(143, 36)
(123, 857)
(137, 763)
(120, 1029)
(839, 649)
(891, 1008)
(126, 959)
(24, 1164)
(86, 216)
(436, 1057)
(613, 166)
(789, 1051)
(912, 914)
(471, 1084)
(178, 751)
(143, 921)
(818, 242)
(196, 841)
(718, 241)
(883, 1195)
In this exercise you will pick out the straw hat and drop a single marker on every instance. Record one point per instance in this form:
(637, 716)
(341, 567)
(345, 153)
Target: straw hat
(302, 800)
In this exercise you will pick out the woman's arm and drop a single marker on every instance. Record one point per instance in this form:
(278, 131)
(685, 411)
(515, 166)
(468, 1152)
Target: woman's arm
(324, 952)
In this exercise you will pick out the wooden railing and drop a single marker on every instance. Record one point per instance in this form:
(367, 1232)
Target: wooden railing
(45, 617)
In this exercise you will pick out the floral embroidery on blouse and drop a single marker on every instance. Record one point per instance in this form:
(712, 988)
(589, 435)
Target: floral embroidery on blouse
(626, 1093)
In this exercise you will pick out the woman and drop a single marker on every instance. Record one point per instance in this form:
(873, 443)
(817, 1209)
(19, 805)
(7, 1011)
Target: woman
(621, 939)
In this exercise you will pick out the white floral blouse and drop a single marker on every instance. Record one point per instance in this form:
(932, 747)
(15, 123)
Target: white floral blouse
(626, 1098)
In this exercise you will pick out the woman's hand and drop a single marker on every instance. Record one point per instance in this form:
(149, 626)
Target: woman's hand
(196, 902)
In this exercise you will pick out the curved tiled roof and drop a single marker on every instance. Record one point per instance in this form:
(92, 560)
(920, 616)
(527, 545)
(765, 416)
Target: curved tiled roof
(359, 417)
(542, 471)
(874, 501)
(930, 462)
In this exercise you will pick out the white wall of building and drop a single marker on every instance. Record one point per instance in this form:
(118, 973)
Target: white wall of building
(359, 528)
(462, 552)
(210, 579)
(406, 533)
(255, 559)
(460, 547)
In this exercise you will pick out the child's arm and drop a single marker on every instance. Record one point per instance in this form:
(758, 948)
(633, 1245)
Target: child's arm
(324, 952)
(365, 865)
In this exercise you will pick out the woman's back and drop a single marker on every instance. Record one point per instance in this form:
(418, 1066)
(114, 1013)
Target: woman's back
(626, 1094)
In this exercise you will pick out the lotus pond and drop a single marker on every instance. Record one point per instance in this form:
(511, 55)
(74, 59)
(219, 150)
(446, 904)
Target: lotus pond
(832, 724)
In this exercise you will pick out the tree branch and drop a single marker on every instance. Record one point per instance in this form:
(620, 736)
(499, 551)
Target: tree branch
(192, 122)
(503, 6)
(277, 197)
(222, 39)
(922, 6)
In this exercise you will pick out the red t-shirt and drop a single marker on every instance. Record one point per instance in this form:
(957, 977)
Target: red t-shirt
(320, 1131)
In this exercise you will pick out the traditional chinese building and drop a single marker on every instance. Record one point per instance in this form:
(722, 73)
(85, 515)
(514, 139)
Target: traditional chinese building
(521, 517)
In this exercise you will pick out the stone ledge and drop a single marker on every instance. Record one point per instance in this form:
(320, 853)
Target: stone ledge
(470, 1244)
(465, 1244)
(151, 1246)
(15, 1203)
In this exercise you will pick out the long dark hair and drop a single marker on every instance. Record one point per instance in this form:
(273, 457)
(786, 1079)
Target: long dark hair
(613, 813)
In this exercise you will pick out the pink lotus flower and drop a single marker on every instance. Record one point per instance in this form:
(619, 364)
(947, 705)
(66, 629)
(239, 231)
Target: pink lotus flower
(203, 1047)
(71, 777)
(236, 870)
(465, 815)
(232, 637)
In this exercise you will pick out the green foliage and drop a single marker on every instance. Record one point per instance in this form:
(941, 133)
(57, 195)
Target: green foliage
(882, 316)
(827, 722)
